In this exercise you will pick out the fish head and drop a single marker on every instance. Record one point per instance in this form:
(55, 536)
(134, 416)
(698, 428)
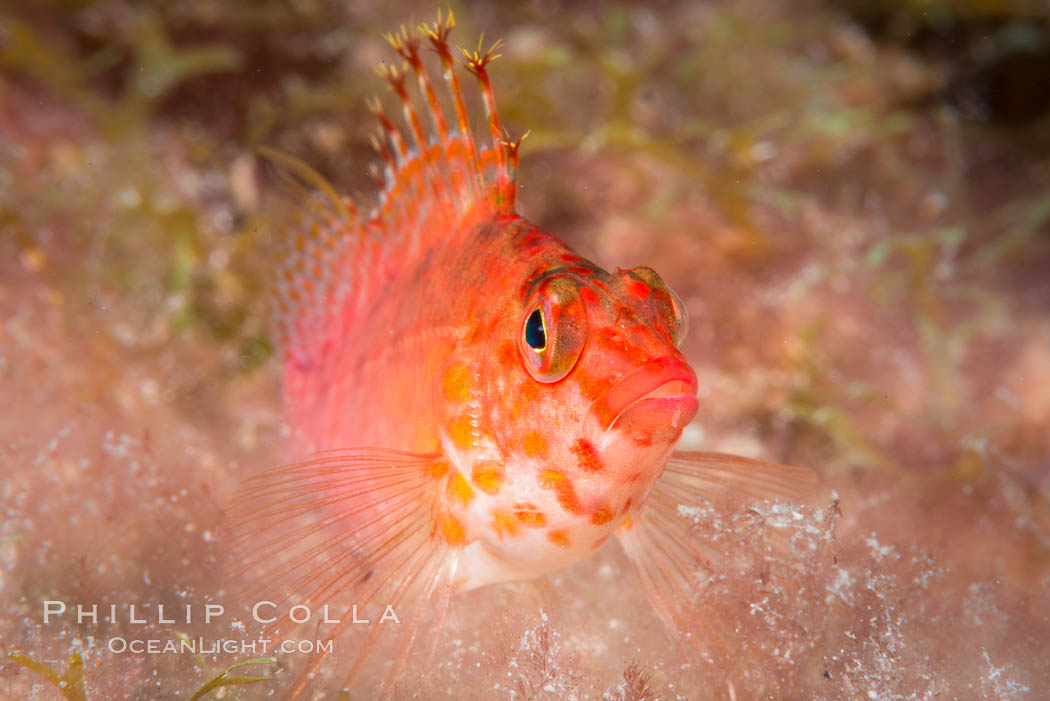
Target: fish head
(565, 411)
(601, 391)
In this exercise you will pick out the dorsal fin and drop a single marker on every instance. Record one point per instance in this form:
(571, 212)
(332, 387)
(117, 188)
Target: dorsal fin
(448, 173)
(322, 232)
(434, 177)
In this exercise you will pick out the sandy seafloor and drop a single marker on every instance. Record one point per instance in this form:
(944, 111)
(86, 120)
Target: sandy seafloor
(854, 210)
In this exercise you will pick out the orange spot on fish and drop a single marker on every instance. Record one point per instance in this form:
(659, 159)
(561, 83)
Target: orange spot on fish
(456, 383)
(458, 488)
(568, 500)
(588, 295)
(527, 393)
(602, 516)
(560, 538)
(638, 289)
(530, 516)
(533, 240)
(552, 479)
(461, 432)
(534, 444)
(589, 386)
(627, 524)
(451, 530)
(488, 477)
(503, 523)
(439, 468)
(587, 456)
(563, 489)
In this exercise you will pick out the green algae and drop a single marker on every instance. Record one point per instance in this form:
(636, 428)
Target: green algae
(70, 682)
(225, 679)
(159, 69)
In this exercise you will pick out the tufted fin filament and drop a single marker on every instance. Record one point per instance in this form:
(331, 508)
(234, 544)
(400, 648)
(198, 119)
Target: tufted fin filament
(435, 180)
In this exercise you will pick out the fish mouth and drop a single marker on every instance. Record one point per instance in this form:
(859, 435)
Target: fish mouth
(660, 395)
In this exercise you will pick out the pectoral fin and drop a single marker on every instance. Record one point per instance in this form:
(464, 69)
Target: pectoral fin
(351, 526)
(685, 540)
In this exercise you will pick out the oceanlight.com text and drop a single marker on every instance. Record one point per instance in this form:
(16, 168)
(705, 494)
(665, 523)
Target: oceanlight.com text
(201, 646)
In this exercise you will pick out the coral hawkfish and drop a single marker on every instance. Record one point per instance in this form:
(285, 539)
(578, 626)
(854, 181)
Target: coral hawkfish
(471, 400)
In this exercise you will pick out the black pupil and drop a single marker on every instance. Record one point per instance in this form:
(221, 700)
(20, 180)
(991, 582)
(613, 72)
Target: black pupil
(535, 335)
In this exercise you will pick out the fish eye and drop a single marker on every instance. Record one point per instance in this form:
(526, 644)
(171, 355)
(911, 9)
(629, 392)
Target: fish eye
(535, 333)
(554, 331)
(681, 318)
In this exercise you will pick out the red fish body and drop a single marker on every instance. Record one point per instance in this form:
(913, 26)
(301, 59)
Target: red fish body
(472, 401)
(440, 371)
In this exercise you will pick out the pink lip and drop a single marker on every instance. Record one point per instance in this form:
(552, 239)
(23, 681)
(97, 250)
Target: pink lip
(664, 382)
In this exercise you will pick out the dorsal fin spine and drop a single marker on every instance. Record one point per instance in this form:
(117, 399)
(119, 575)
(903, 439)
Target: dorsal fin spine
(405, 44)
(476, 63)
(512, 167)
(438, 35)
(401, 161)
(396, 79)
(396, 141)
(379, 144)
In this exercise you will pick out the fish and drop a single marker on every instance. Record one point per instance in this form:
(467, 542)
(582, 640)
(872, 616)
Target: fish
(469, 401)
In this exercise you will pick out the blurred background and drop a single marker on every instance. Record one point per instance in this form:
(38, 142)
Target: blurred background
(851, 197)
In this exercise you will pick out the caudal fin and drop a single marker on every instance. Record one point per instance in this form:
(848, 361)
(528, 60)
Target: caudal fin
(700, 518)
